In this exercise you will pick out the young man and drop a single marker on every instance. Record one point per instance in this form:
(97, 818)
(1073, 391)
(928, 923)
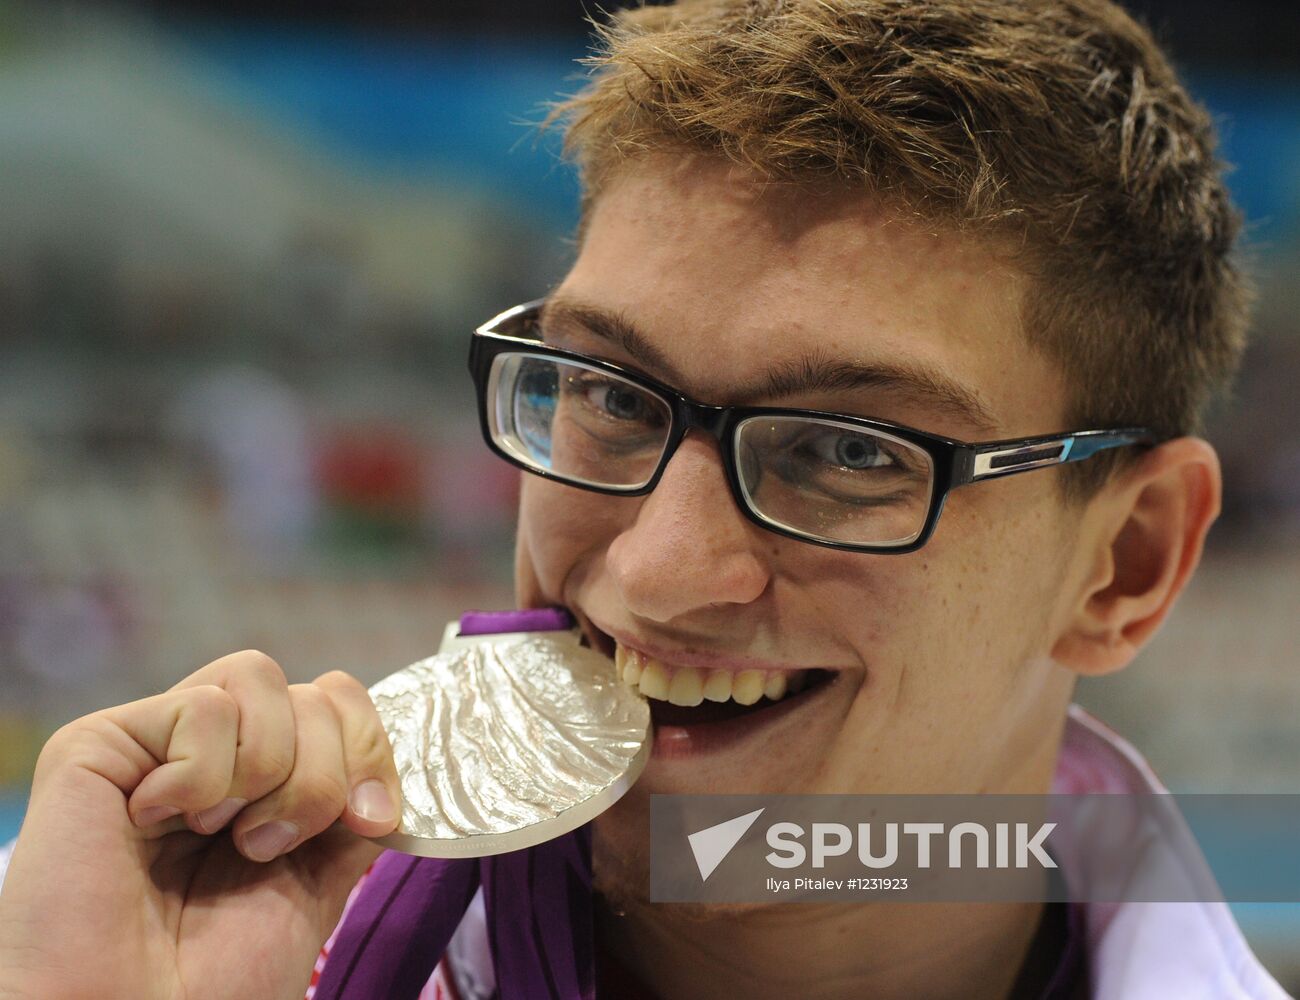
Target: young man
(929, 222)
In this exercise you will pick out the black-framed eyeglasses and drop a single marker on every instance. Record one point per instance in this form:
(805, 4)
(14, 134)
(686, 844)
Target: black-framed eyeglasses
(828, 478)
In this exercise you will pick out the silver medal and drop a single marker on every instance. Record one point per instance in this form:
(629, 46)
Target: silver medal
(507, 741)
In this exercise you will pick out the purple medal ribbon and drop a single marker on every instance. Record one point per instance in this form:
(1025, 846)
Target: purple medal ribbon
(538, 908)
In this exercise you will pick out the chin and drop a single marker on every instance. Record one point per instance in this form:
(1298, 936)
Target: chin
(621, 855)
(621, 873)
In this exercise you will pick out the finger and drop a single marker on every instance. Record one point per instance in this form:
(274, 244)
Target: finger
(264, 755)
(374, 791)
(316, 792)
(189, 739)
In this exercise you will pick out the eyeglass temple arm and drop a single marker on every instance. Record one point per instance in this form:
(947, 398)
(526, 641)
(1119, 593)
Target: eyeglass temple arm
(1004, 458)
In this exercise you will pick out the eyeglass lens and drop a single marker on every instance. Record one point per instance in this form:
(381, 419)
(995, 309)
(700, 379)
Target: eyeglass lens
(577, 422)
(833, 480)
(815, 476)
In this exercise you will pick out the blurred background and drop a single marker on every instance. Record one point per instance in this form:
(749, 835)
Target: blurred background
(242, 246)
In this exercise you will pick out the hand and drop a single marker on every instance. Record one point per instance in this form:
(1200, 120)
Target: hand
(186, 846)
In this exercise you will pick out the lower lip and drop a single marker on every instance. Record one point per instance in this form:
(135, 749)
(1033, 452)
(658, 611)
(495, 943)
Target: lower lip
(671, 742)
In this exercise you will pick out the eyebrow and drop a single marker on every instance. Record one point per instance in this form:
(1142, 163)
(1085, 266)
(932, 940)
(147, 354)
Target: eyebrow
(813, 372)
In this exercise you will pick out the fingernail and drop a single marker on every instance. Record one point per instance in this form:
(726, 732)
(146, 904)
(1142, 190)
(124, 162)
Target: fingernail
(371, 801)
(268, 841)
(155, 814)
(212, 820)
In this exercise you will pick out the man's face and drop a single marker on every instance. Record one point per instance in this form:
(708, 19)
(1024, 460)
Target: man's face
(941, 678)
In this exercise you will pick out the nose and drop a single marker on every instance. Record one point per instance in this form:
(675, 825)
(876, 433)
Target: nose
(689, 547)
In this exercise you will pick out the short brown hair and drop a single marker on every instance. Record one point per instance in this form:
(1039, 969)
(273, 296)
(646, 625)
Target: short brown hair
(1056, 123)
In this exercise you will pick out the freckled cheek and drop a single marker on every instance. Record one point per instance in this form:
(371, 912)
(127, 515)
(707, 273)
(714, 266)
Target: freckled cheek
(919, 614)
(881, 607)
(980, 601)
(562, 527)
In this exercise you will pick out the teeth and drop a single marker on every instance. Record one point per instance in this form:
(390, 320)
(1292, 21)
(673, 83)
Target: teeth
(687, 687)
(654, 680)
(631, 669)
(718, 686)
(747, 688)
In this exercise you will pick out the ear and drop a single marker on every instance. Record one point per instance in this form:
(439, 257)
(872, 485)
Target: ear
(1143, 535)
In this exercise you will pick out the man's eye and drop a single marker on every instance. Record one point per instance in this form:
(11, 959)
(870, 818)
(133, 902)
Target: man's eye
(616, 401)
(851, 451)
(619, 402)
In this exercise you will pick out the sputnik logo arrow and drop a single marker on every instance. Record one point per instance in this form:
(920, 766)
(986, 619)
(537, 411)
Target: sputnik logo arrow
(714, 843)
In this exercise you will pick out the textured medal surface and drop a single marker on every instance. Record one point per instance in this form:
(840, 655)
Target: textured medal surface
(508, 742)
